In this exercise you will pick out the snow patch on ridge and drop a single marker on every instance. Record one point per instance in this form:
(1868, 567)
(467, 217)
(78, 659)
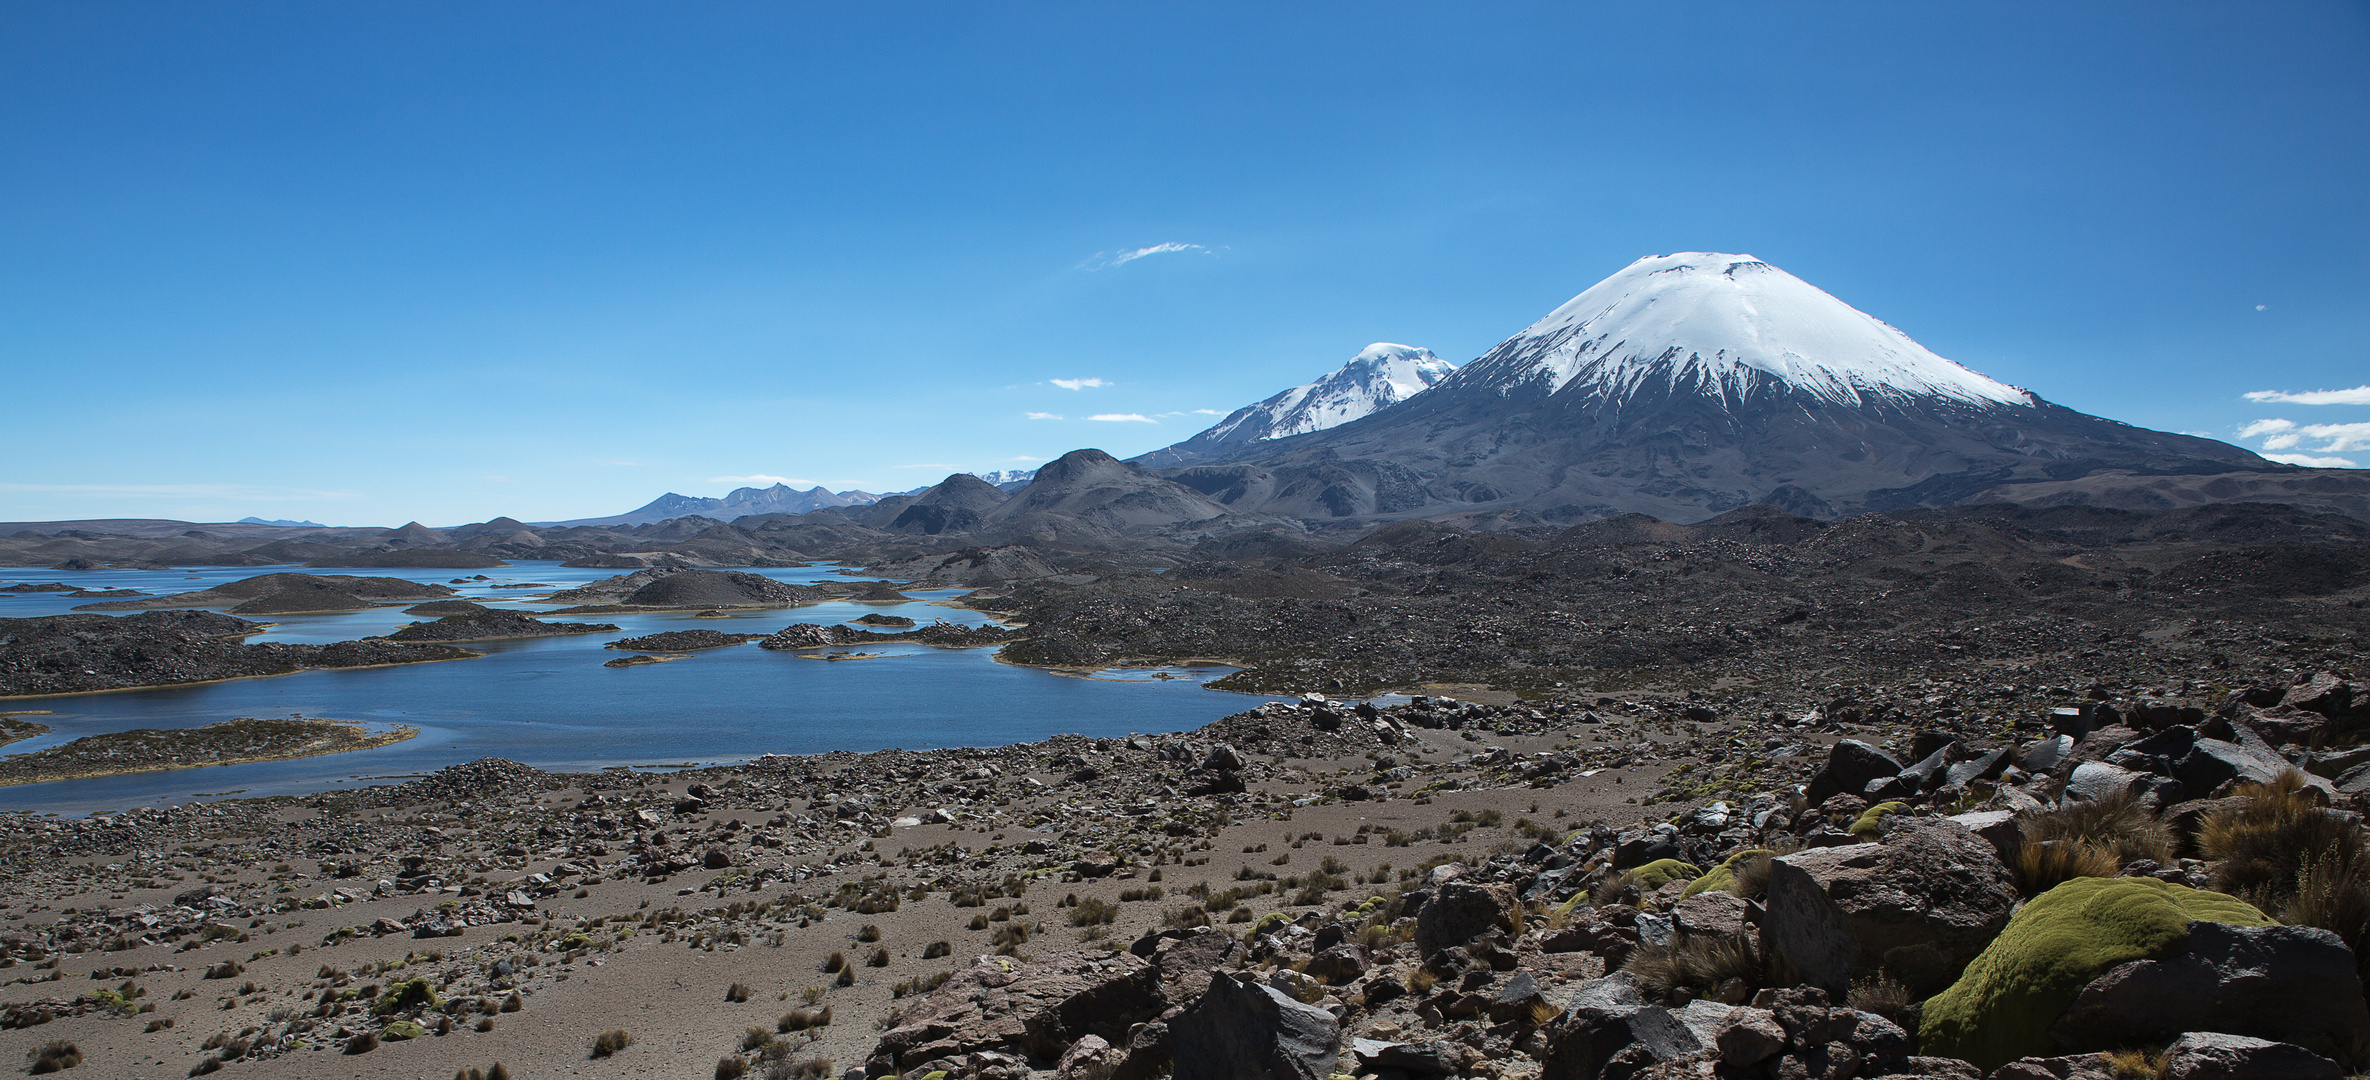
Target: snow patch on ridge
(1720, 322)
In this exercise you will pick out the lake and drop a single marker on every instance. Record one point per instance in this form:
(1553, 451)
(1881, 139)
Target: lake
(549, 702)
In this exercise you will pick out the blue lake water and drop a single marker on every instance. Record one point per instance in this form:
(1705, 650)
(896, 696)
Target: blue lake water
(549, 702)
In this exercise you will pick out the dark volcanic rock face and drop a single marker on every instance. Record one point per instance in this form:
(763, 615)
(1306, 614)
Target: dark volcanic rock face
(280, 594)
(1740, 595)
(492, 623)
(682, 641)
(66, 654)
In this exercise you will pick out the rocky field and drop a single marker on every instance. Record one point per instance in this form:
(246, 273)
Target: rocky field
(2012, 794)
(1661, 884)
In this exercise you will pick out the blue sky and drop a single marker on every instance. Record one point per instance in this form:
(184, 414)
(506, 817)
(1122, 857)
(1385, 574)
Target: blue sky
(365, 263)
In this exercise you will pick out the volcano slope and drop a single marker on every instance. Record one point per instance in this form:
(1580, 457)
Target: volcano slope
(1754, 594)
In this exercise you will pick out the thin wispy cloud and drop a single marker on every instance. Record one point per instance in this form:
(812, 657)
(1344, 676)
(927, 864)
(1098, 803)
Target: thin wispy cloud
(1208, 412)
(1045, 416)
(1114, 260)
(760, 478)
(1077, 384)
(2359, 395)
(1123, 418)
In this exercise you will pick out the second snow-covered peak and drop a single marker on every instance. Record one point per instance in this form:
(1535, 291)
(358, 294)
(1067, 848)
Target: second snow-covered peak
(1381, 375)
(1713, 320)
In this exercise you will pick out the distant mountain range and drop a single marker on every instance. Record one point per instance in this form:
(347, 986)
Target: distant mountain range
(281, 521)
(1683, 386)
(739, 503)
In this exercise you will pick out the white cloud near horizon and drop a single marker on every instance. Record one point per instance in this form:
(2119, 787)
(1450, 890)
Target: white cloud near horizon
(2311, 462)
(1208, 412)
(1123, 418)
(1045, 416)
(2359, 395)
(2282, 434)
(1103, 261)
(1077, 384)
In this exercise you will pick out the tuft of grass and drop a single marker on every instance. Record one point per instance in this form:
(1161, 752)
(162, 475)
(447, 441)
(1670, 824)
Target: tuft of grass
(513, 1003)
(610, 1042)
(731, 1068)
(362, 1044)
(737, 992)
(1693, 967)
(2262, 844)
(936, 949)
(2046, 864)
(2135, 1064)
(802, 1019)
(1887, 997)
(54, 1056)
(869, 934)
(2118, 824)
(1091, 911)
(835, 962)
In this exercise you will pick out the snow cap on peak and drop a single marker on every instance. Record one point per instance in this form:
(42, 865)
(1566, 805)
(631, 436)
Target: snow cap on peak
(1716, 319)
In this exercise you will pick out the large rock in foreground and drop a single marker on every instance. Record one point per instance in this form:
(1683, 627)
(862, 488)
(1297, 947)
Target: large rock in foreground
(1035, 1009)
(2126, 939)
(1252, 1031)
(2292, 984)
(1920, 905)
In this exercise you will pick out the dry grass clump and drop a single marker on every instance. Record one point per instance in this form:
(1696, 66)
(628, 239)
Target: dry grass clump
(2285, 853)
(802, 1019)
(1091, 911)
(731, 1068)
(2046, 864)
(610, 1042)
(1887, 997)
(2261, 844)
(1752, 875)
(737, 992)
(936, 949)
(2119, 825)
(54, 1056)
(2135, 1064)
(1721, 968)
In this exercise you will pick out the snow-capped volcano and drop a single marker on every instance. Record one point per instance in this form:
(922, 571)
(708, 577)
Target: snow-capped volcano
(1380, 376)
(1732, 326)
(1685, 386)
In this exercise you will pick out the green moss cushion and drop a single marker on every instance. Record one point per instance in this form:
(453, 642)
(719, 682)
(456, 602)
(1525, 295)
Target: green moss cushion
(1871, 824)
(2002, 1006)
(1723, 877)
(1661, 872)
